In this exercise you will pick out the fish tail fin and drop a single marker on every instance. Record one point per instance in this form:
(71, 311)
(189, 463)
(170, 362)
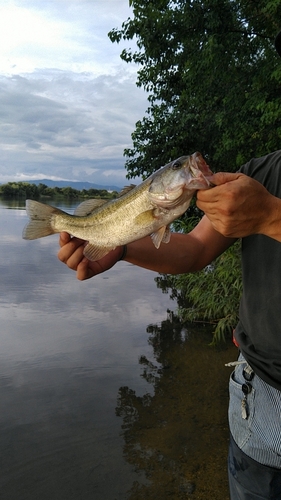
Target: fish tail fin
(40, 223)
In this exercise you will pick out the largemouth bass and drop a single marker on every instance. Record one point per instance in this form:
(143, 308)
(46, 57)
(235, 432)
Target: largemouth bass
(146, 209)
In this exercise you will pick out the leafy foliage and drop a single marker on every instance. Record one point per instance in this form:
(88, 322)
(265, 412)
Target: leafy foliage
(212, 295)
(27, 190)
(212, 77)
(213, 81)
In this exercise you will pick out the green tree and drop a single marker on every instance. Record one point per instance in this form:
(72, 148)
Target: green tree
(19, 190)
(69, 192)
(213, 80)
(27, 190)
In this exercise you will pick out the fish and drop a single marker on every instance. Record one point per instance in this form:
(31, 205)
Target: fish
(146, 209)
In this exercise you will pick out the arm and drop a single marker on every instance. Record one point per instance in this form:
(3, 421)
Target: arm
(184, 253)
(236, 207)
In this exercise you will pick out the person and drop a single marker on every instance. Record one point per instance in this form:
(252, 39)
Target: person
(246, 205)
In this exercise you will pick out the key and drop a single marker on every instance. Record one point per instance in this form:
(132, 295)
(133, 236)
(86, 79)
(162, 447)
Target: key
(246, 389)
(244, 408)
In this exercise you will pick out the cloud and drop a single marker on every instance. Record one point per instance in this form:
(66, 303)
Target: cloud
(69, 35)
(67, 109)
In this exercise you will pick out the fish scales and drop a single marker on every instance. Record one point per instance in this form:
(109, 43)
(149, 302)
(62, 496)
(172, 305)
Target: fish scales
(112, 217)
(142, 210)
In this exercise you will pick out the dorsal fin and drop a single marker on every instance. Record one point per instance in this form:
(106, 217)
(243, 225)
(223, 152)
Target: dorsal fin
(126, 190)
(89, 206)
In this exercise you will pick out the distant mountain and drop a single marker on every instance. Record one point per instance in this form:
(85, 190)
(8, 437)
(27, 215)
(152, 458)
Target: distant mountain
(74, 184)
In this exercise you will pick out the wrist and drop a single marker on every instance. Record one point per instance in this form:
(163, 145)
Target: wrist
(271, 226)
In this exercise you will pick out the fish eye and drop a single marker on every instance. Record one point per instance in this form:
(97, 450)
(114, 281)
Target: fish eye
(176, 165)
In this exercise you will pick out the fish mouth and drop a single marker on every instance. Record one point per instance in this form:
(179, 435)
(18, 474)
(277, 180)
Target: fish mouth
(197, 160)
(198, 179)
(199, 170)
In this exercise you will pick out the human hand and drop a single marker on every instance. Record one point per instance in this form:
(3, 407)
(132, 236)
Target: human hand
(71, 253)
(237, 205)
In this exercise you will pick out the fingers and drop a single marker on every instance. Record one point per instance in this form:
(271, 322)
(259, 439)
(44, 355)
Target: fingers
(223, 178)
(220, 203)
(235, 206)
(225, 190)
(87, 269)
(71, 251)
(71, 254)
(66, 238)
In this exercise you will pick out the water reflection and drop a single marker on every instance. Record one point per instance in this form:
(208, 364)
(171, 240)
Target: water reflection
(19, 203)
(67, 349)
(178, 436)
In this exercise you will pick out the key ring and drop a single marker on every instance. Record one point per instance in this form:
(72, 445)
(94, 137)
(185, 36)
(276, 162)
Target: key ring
(248, 373)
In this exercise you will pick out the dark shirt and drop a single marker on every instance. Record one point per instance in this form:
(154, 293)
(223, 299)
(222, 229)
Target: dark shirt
(258, 332)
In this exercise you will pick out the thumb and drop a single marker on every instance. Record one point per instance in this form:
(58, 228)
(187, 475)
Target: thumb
(222, 178)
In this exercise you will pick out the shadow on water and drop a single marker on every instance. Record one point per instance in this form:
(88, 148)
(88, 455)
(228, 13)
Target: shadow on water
(19, 203)
(179, 435)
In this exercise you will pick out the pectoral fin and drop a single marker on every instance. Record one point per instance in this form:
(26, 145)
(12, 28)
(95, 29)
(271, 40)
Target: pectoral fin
(149, 216)
(145, 218)
(92, 252)
(163, 235)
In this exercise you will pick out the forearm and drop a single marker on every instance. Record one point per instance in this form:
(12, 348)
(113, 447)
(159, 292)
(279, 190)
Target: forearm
(184, 253)
(169, 258)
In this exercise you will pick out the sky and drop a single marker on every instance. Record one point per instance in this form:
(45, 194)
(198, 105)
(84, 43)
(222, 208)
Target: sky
(68, 103)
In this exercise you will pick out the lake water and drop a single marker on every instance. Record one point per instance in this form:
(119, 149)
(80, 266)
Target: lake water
(104, 395)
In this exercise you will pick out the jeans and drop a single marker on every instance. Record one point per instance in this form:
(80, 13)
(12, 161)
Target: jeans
(254, 465)
(249, 480)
